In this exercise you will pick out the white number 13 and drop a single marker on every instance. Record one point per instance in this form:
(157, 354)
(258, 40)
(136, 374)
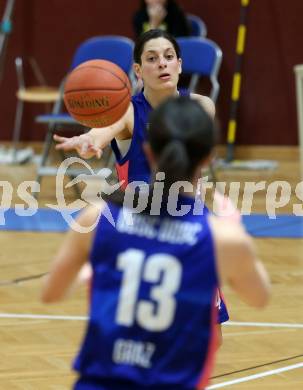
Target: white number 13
(151, 316)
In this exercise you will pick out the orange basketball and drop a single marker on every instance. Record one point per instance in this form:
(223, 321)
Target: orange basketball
(97, 93)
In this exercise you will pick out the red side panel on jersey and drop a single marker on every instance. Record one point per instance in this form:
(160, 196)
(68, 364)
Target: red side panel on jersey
(122, 171)
(213, 346)
(221, 296)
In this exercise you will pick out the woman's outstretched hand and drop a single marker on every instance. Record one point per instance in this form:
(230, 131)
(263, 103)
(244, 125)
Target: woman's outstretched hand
(83, 144)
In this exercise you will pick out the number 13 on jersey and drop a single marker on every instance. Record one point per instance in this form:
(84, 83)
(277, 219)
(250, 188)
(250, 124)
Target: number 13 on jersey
(162, 270)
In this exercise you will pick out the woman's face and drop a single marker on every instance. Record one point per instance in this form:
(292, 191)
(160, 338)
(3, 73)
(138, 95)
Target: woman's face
(160, 67)
(153, 2)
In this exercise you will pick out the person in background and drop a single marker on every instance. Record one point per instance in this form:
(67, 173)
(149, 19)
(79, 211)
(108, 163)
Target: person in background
(153, 314)
(163, 14)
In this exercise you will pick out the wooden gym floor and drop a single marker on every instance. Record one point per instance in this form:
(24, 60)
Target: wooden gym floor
(262, 350)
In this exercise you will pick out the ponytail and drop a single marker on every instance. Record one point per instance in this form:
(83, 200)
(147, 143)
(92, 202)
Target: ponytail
(181, 134)
(174, 162)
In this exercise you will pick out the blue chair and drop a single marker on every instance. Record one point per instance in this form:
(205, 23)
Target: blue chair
(198, 27)
(114, 48)
(201, 57)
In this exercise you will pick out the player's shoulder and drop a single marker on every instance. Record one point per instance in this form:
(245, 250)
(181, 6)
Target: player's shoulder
(206, 103)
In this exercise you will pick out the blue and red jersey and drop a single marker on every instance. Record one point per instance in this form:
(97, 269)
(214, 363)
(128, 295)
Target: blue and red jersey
(134, 165)
(152, 312)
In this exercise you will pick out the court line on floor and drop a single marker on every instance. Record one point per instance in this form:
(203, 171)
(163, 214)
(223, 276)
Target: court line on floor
(22, 279)
(84, 318)
(43, 317)
(258, 366)
(232, 323)
(261, 331)
(264, 324)
(255, 376)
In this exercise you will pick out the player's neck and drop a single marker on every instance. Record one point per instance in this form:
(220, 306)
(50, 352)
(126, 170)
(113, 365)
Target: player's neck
(155, 97)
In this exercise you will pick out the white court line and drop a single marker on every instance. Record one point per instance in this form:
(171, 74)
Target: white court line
(259, 332)
(84, 318)
(43, 316)
(216, 386)
(255, 376)
(263, 324)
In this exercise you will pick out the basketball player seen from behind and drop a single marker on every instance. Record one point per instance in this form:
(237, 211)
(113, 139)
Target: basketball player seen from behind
(152, 311)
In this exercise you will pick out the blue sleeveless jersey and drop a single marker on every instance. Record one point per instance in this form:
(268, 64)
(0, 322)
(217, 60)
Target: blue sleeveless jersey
(152, 314)
(134, 165)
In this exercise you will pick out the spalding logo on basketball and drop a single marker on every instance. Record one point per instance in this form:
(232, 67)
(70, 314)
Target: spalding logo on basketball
(97, 93)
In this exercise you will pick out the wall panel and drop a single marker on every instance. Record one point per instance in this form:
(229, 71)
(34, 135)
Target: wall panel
(51, 30)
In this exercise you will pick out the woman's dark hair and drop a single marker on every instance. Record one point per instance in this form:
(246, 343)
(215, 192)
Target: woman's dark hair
(181, 134)
(153, 34)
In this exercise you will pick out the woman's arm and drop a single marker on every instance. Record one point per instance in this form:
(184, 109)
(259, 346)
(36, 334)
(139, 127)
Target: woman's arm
(93, 142)
(71, 257)
(238, 263)
(206, 103)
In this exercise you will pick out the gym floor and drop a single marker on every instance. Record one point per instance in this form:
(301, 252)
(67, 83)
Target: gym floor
(261, 350)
